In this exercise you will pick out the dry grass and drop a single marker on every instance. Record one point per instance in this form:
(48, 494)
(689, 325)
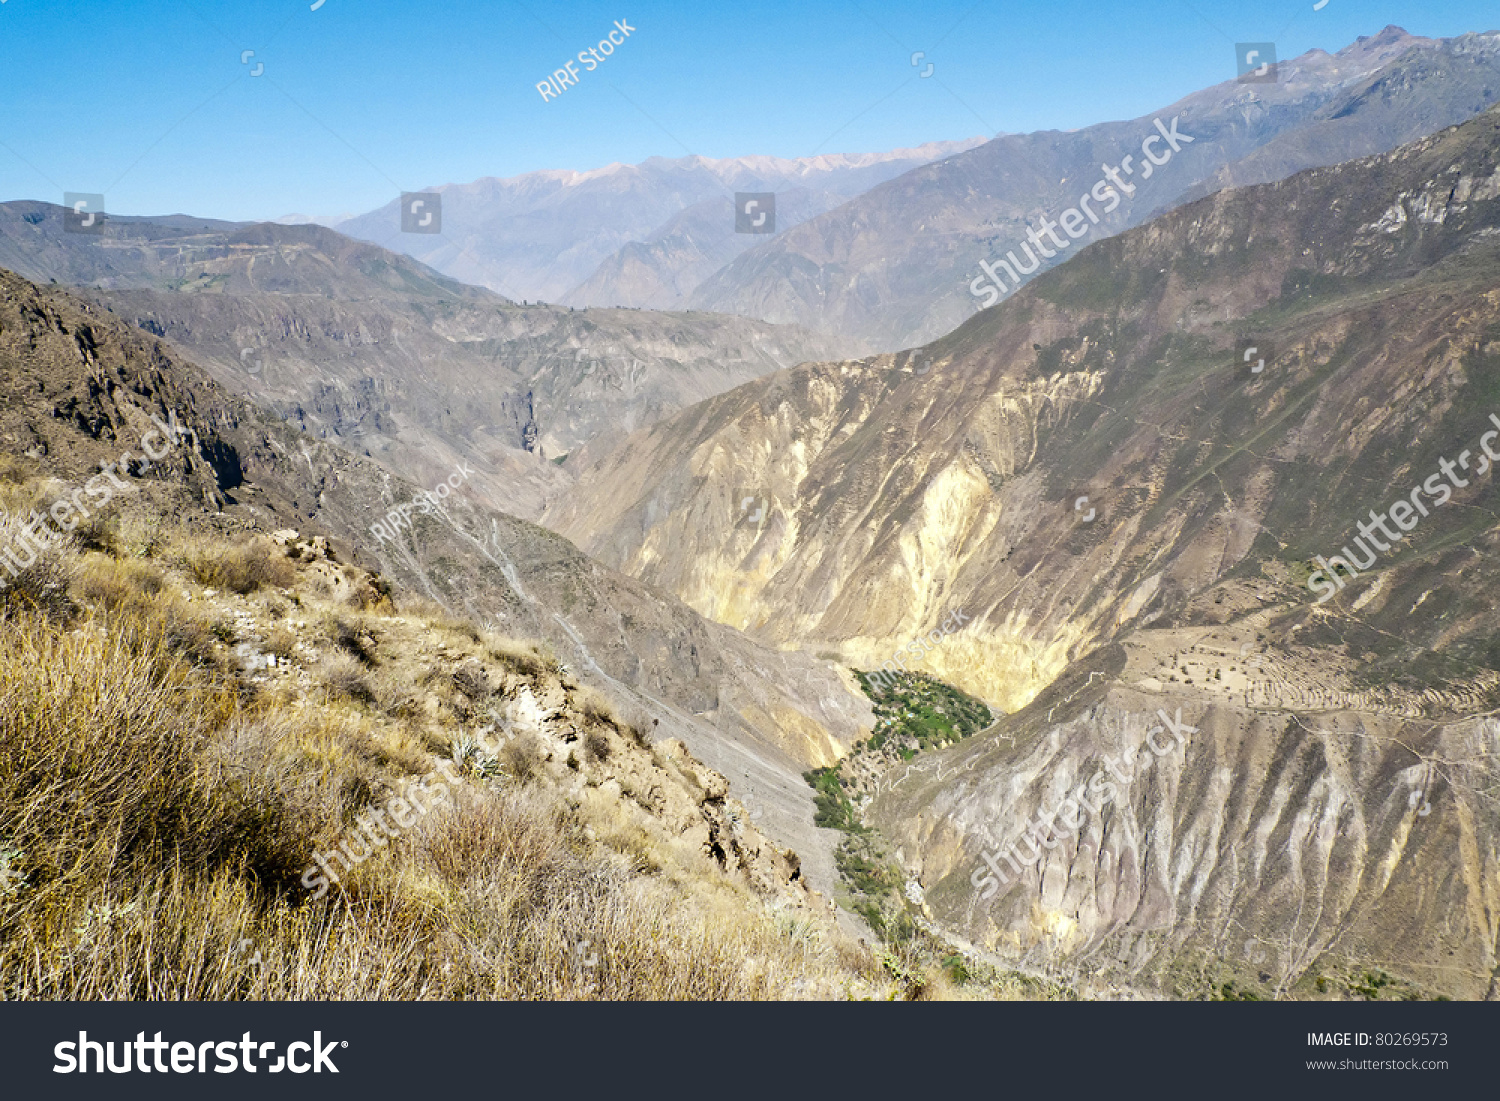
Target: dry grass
(346, 678)
(158, 819)
(34, 578)
(624, 836)
(241, 567)
(596, 707)
(439, 618)
(134, 595)
(356, 636)
(528, 660)
(16, 469)
(40, 587)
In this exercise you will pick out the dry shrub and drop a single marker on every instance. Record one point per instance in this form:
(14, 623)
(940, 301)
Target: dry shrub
(540, 919)
(101, 751)
(521, 837)
(371, 592)
(128, 585)
(618, 830)
(522, 757)
(345, 677)
(33, 578)
(596, 707)
(519, 656)
(15, 469)
(137, 534)
(189, 629)
(471, 680)
(281, 640)
(99, 533)
(396, 695)
(356, 638)
(241, 567)
(855, 957)
(596, 746)
(638, 733)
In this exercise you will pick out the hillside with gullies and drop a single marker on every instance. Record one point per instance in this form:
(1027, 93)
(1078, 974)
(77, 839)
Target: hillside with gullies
(235, 763)
(1129, 507)
(374, 352)
(900, 489)
(191, 722)
(81, 387)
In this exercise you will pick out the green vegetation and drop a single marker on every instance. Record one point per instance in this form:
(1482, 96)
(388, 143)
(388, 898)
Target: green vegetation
(919, 712)
(914, 712)
(832, 807)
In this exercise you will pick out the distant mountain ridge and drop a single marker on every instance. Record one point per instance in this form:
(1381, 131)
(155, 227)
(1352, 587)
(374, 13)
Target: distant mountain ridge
(553, 235)
(378, 352)
(893, 266)
(882, 248)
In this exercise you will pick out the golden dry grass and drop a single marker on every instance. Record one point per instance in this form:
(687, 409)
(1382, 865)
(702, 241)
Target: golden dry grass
(158, 814)
(240, 567)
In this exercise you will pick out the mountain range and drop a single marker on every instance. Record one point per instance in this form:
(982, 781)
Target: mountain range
(1129, 477)
(884, 249)
(895, 266)
(723, 475)
(625, 235)
(375, 351)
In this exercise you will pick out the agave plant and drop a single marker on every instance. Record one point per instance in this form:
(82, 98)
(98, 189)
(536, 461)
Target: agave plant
(472, 757)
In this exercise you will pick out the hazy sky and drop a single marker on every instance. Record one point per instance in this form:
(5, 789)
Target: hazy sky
(148, 101)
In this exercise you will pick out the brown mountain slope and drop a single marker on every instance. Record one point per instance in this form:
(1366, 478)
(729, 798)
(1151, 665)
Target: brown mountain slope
(376, 352)
(1286, 854)
(1130, 513)
(900, 487)
(80, 386)
(895, 266)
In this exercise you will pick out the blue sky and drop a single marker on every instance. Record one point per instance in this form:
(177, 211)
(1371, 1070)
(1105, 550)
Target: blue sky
(148, 101)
